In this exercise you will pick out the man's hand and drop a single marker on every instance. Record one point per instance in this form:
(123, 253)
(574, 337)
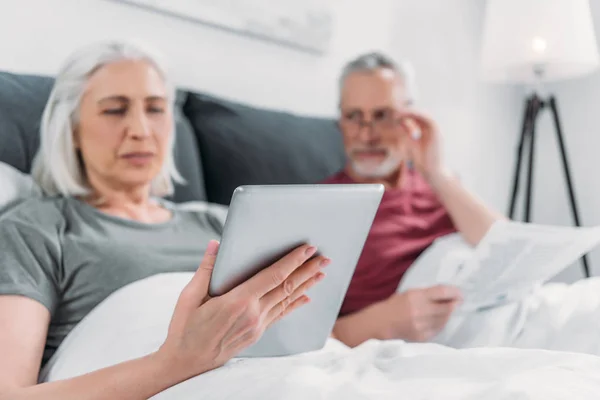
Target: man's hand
(422, 143)
(420, 314)
(416, 315)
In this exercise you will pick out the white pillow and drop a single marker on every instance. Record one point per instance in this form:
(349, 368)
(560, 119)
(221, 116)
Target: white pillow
(15, 186)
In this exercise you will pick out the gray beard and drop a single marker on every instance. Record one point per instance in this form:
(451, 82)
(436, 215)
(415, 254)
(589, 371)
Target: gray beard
(385, 168)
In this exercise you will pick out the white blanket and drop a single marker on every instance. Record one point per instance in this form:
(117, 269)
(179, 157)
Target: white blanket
(555, 316)
(133, 321)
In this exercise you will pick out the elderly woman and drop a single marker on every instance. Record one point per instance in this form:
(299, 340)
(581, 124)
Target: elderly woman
(105, 161)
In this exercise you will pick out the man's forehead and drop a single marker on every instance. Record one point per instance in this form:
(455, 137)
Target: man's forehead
(363, 89)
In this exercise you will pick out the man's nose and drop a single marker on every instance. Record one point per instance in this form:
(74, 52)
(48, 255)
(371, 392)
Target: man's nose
(367, 133)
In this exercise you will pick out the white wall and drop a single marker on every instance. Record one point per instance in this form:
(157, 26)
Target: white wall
(39, 34)
(579, 108)
(440, 37)
(479, 121)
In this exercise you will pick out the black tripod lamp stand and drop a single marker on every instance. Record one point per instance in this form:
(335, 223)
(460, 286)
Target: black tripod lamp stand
(533, 42)
(533, 106)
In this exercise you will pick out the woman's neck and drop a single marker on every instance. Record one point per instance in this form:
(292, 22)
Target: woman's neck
(128, 203)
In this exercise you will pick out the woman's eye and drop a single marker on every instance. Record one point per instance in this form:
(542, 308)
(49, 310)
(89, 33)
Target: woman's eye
(114, 111)
(156, 110)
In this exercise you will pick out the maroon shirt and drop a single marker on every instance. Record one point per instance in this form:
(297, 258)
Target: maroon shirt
(407, 222)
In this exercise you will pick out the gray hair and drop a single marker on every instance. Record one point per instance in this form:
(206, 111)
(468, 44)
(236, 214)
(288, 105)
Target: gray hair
(57, 168)
(373, 61)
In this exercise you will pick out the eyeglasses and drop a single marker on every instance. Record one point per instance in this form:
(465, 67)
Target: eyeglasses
(385, 121)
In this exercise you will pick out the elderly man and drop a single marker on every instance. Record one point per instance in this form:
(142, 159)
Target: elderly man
(388, 142)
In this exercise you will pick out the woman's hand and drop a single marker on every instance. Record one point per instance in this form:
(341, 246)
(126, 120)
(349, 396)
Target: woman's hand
(204, 332)
(207, 332)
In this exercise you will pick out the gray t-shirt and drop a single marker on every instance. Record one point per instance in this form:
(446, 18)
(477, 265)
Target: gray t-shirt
(70, 256)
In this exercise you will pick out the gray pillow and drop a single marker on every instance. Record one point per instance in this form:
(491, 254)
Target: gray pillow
(15, 186)
(22, 101)
(242, 145)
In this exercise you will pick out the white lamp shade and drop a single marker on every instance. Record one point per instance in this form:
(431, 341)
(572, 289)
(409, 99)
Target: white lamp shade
(526, 41)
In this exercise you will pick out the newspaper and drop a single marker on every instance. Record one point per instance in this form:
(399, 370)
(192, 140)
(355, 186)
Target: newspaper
(508, 263)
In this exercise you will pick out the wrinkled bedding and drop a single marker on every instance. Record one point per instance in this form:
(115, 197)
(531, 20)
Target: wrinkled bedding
(133, 322)
(551, 316)
(555, 316)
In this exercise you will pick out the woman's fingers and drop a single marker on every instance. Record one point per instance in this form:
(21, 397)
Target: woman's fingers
(299, 302)
(250, 334)
(270, 295)
(201, 278)
(273, 276)
(281, 308)
(259, 314)
(300, 276)
(196, 291)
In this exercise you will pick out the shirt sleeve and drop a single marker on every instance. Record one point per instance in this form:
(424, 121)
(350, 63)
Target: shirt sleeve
(29, 262)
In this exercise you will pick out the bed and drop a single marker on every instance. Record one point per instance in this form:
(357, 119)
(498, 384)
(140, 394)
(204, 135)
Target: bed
(132, 322)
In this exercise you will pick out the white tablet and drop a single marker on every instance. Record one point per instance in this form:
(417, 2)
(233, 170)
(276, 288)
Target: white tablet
(266, 222)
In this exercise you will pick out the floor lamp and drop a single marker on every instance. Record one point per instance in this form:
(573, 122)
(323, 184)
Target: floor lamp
(532, 43)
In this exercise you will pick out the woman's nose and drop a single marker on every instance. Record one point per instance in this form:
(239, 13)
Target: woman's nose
(139, 127)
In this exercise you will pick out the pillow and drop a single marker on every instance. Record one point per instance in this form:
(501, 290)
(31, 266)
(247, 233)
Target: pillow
(243, 145)
(22, 101)
(15, 186)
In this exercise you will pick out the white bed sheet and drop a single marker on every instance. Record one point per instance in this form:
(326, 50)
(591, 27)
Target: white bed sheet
(133, 321)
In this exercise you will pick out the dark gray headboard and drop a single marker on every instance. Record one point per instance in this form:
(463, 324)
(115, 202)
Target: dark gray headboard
(247, 145)
(22, 100)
